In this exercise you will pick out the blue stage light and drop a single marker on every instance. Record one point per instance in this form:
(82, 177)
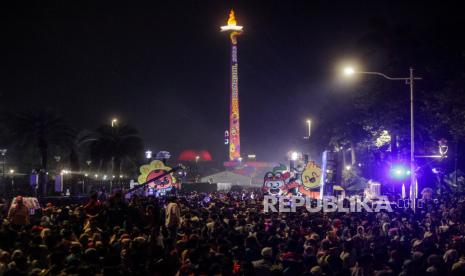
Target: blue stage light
(399, 172)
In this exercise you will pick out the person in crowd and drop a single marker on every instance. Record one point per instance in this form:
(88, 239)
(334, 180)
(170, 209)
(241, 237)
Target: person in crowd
(18, 215)
(227, 233)
(172, 217)
(94, 206)
(263, 266)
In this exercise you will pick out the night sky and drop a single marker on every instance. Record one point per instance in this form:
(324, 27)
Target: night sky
(164, 67)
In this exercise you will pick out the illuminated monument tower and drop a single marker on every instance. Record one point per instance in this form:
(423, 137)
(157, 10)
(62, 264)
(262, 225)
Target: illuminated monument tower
(233, 137)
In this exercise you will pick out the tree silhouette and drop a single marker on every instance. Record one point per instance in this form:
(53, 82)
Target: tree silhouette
(112, 148)
(39, 130)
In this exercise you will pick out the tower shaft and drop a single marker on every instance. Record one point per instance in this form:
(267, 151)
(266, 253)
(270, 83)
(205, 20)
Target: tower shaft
(234, 127)
(234, 124)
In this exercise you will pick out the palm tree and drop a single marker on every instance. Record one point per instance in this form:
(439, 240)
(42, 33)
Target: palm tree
(111, 148)
(39, 130)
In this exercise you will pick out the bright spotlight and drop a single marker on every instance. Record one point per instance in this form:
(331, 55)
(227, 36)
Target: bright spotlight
(348, 71)
(294, 155)
(399, 172)
(348, 167)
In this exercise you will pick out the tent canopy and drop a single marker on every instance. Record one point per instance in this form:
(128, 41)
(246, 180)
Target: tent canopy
(227, 177)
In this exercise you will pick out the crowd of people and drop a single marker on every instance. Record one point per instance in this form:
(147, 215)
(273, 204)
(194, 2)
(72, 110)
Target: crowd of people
(228, 234)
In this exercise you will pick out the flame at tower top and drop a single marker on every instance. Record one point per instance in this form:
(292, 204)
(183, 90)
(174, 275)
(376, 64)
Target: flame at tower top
(232, 24)
(232, 18)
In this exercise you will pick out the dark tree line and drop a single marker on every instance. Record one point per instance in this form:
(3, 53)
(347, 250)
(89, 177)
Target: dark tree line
(35, 139)
(355, 118)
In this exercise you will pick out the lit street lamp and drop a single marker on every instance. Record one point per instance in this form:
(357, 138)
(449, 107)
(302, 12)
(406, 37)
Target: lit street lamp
(114, 121)
(349, 71)
(309, 129)
(3, 153)
(294, 156)
(12, 175)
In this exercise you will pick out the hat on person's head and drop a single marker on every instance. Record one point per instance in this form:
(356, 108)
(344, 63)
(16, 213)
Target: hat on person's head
(450, 255)
(124, 236)
(427, 235)
(16, 254)
(416, 244)
(267, 252)
(316, 270)
(458, 266)
(432, 270)
(140, 240)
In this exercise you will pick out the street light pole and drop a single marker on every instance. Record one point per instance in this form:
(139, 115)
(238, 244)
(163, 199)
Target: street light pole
(309, 129)
(114, 121)
(410, 81)
(3, 153)
(413, 182)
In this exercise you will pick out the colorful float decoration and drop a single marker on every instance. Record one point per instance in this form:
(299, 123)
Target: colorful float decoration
(160, 186)
(305, 182)
(310, 180)
(278, 181)
(274, 182)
